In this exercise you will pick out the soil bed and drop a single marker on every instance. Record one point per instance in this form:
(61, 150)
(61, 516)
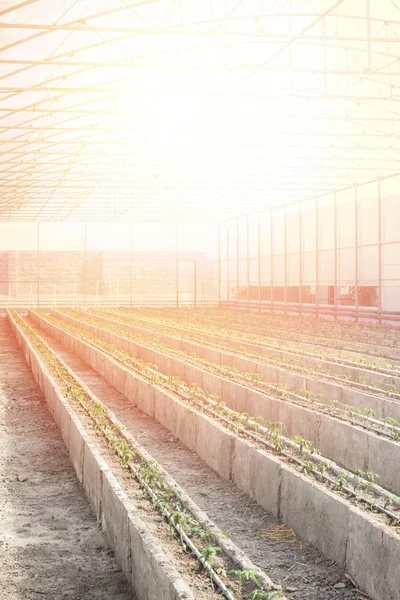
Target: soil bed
(302, 571)
(50, 543)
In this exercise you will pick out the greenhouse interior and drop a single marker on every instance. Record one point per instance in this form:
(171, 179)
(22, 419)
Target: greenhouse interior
(200, 299)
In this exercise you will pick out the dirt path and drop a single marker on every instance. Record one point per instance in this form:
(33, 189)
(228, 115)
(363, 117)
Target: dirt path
(50, 543)
(302, 570)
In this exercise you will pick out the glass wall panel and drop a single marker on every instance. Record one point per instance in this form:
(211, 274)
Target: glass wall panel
(63, 268)
(346, 218)
(326, 294)
(293, 293)
(326, 222)
(223, 241)
(345, 295)
(391, 295)
(253, 271)
(18, 236)
(368, 264)
(391, 261)
(243, 238)
(309, 267)
(367, 209)
(293, 228)
(253, 235)
(224, 270)
(18, 264)
(224, 291)
(108, 259)
(390, 198)
(265, 270)
(293, 268)
(278, 231)
(346, 268)
(199, 238)
(265, 233)
(243, 272)
(326, 267)
(233, 272)
(308, 225)
(279, 270)
(232, 239)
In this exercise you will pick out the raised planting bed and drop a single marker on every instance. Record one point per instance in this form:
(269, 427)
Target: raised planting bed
(358, 352)
(218, 352)
(368, 445)
(377, 379)
(342, 525)
(235, 576)
(346, 330)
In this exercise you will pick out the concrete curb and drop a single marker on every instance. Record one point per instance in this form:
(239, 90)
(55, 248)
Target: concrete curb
(350, 446)
(383, 407)
(138, 553)
(342, 532)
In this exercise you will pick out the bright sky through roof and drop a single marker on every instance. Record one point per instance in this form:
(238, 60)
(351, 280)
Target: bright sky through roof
(160, 110)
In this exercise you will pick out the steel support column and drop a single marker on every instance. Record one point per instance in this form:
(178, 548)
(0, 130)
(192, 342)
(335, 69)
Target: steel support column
(85, 268)
(248, 263)
(272, 261)
(335, 249)
(380, 251)
(285, 257)
(259, 262)
(300, 260)
(131, 264)
(316, 259)
(219, 264)
(38, 264)
(177, 266)
(356, 300)
(237, 263)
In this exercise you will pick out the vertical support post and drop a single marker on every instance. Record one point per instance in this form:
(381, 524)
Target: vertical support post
(177, 266)
(285, 257)
(237, 264)
(300, 259)
(228, 265)
(219, 265)
(380, 251)
(272, 261)
(85, 269)
(195, 283)
(335, 249)
(131, 265)
(316, 258)
(325, 57)
(368, 11)
(259, 262)
(38, 264)
(356, 299)
(248, 263)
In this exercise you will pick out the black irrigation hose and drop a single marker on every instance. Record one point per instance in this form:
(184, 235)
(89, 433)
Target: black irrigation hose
(306, 354)
(213, 575)
(294, 397)
(318, 474)
(280, 364)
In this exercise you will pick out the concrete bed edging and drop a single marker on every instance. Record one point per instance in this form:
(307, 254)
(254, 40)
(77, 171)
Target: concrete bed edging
(365, 547)
(138, 553)
(348, 445)
(383, 407)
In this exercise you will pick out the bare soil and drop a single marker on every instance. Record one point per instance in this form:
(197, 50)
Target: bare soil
(50, 543)
(302, 570)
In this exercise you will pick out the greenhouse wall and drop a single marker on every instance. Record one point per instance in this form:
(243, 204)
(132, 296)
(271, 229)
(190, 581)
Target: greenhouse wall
(338, 254)
(71, 264)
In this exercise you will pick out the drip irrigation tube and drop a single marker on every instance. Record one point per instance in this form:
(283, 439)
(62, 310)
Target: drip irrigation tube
(319, 475)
